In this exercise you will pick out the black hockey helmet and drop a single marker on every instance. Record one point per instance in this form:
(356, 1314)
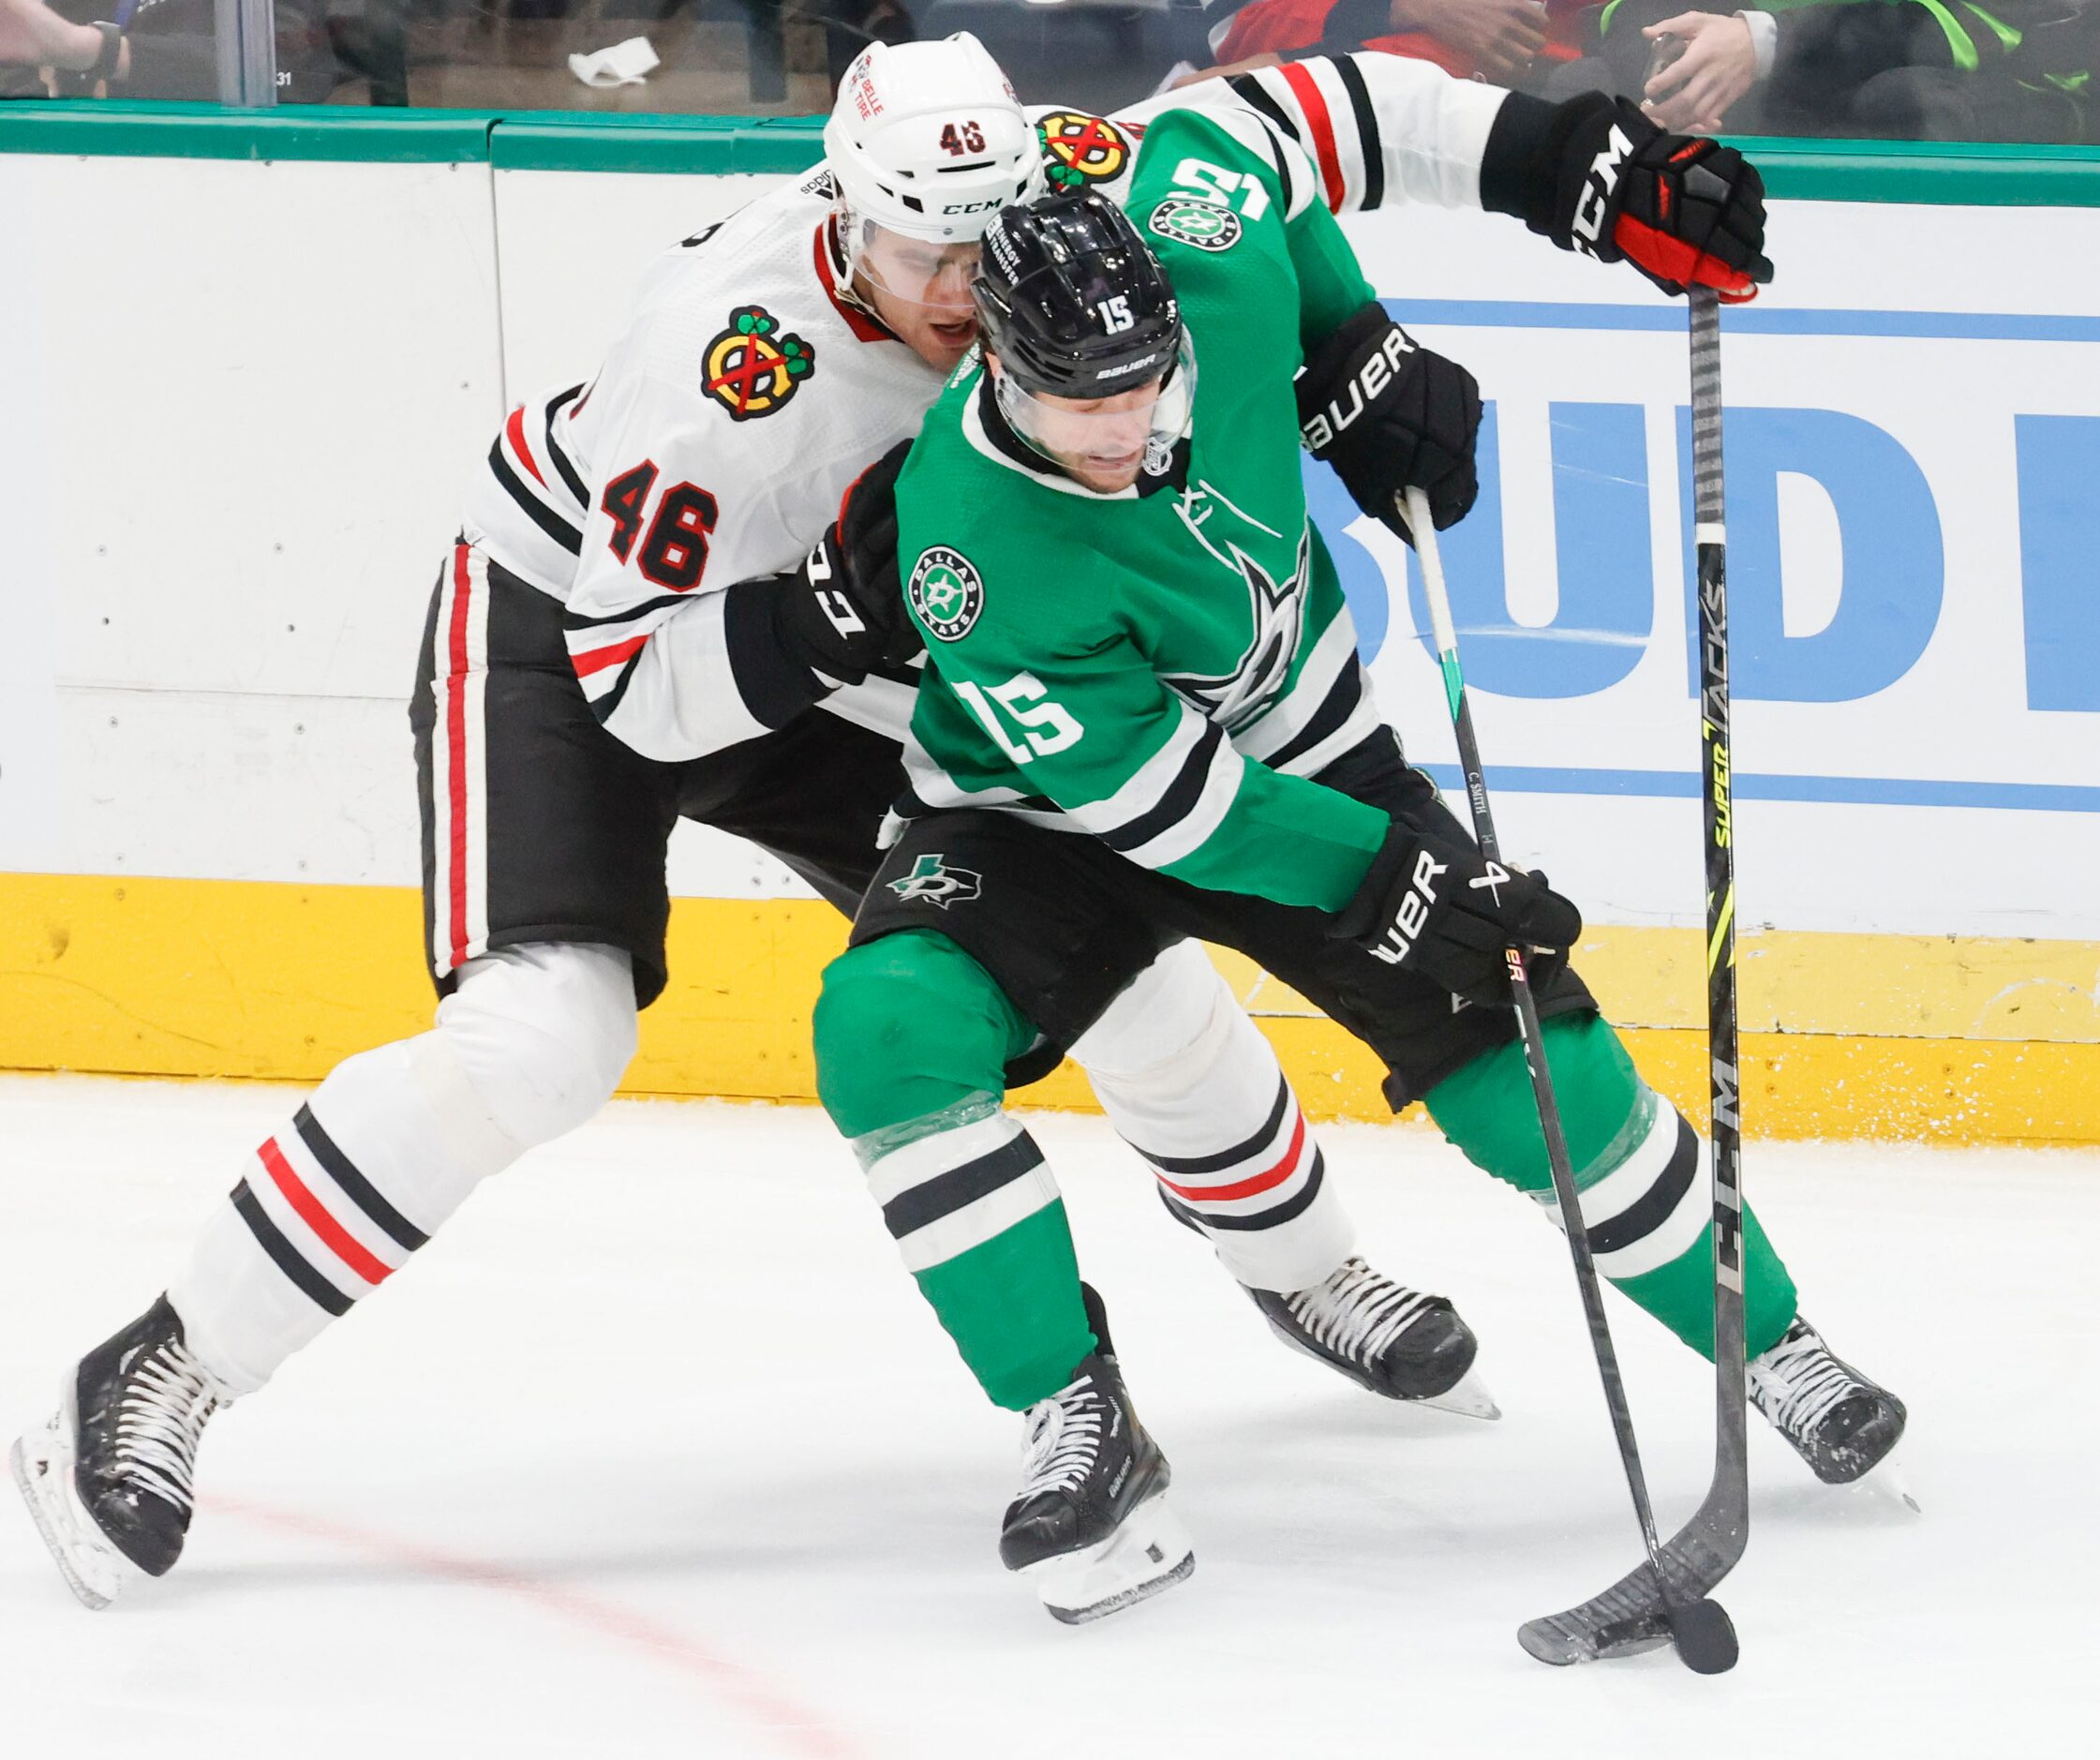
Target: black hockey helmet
(1072, 302)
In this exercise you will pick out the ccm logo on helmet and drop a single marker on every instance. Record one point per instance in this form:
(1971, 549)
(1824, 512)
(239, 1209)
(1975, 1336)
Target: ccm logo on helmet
(972, 207)
(1596, 199)
(1371, 380)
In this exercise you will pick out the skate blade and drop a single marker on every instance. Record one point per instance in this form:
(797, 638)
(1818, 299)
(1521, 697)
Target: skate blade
(1148, 1553)
(1469, 1397)
(1887, 1485)
(42, 1461)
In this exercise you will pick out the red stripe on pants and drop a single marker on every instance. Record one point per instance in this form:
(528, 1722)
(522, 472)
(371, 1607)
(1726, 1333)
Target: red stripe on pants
(317, 1217)
(455, 749)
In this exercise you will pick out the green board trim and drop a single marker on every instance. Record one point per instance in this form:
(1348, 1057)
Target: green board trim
(133, 129)
(1941, 174)
(583, 140)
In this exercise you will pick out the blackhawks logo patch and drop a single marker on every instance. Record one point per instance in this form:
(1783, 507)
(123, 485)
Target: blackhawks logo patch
(1078, 150)
(932, 882)
(946, 591)
(1204, 225)
(752, 368)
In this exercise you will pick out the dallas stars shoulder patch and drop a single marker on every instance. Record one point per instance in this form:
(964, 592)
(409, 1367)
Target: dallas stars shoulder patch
(946, 591)
(1078, 150)
(753, 368)
(1203, 224)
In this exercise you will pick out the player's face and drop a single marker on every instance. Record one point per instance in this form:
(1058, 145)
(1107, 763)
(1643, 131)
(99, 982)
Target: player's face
(921, 290)
(1099, 442)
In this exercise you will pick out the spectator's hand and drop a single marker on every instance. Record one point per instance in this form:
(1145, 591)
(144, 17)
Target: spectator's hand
(1503, 36)
(1719, 65)
(32, 35)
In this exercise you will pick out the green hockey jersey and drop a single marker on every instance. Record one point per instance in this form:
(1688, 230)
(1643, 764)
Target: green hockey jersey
(1162, 668)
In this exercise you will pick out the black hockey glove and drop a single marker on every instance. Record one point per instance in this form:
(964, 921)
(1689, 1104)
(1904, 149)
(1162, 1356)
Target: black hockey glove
(1389, 415)
(1431, 904)
(841, 613)
(1682, 209)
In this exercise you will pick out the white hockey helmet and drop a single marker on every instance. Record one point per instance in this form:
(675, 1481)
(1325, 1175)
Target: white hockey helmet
(929, 139)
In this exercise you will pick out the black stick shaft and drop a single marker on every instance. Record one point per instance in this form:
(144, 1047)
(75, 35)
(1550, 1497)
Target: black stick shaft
(1709, 533)
(1543, 1094)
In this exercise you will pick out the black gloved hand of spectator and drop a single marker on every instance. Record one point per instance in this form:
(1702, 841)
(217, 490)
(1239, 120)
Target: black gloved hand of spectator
(1433, 905)
(841, 613)
(1389, 415)
(1682, 209)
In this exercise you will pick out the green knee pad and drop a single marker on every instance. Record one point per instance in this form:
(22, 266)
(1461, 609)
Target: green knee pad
(912, 1041)
(908, 1026)
(1488, 1111)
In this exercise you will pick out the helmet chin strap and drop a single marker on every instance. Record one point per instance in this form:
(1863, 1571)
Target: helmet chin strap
(849, 288)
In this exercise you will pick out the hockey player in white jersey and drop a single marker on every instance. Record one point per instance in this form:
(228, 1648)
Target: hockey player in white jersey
(633, 627)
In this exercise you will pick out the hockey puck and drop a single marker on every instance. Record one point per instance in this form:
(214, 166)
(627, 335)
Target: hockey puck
(1705, 1638)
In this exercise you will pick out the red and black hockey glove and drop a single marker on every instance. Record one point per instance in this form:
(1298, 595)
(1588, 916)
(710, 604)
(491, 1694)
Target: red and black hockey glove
(1389, 415)
(1596, 175)
(841, 613)
(1433, 905)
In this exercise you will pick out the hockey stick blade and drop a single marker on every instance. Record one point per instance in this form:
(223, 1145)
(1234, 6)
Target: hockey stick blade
(1639, 1613)
(1631, 1615)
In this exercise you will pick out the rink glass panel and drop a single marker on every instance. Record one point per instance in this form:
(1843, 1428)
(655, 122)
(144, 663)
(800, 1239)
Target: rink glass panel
(2005, 73)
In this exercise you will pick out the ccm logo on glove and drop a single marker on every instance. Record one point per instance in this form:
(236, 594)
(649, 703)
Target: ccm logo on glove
(1596, 201)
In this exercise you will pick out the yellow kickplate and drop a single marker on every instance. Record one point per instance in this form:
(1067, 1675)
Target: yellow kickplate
(1843, 1035)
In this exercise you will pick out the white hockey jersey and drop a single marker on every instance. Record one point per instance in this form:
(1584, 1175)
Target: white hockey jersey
(747, 391)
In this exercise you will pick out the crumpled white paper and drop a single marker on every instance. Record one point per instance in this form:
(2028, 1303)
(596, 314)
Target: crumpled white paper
(623, 64)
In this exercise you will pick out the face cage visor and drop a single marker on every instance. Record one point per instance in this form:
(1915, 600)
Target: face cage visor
(917, 271)
(1118, 434)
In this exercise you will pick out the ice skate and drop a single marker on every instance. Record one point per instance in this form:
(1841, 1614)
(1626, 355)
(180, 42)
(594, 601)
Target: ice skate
(1089, 1528)
(1838, 1421)
(107, 1476)
(1383, 1335)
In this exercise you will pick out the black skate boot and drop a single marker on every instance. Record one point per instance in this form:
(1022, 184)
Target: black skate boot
(1383, 1335)
(1838, 1421)
(1090, 1526)
(108, 1478)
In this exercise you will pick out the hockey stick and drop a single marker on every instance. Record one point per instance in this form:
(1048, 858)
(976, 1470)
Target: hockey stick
(1699, 1628)
(1629, 1615)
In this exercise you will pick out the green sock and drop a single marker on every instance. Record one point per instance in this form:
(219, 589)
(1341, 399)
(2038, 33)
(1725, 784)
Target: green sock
(1651, 1226)
(912, 1038)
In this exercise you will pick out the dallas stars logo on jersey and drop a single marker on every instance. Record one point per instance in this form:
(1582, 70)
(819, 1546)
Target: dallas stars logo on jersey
(1204, 225)
(930, 882)
(753, 369)
(946, 591)
(1079, 150)
(1239, 696)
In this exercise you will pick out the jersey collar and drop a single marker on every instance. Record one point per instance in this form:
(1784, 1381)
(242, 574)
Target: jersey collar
(832, 270)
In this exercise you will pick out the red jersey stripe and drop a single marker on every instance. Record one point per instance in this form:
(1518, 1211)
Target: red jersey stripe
(1253, 1184)
(597, 658)
(1315, 107)
(315, 1217)
(513, 431)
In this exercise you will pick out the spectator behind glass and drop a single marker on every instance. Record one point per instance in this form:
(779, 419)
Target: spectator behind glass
(1881, 70)
(42, 50)
(167, 49)
(1510, 42)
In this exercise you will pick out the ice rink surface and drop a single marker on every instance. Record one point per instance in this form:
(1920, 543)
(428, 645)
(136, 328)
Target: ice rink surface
(655, 1451)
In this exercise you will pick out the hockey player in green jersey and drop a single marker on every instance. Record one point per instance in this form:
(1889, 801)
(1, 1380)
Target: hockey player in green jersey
(1144, 715)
